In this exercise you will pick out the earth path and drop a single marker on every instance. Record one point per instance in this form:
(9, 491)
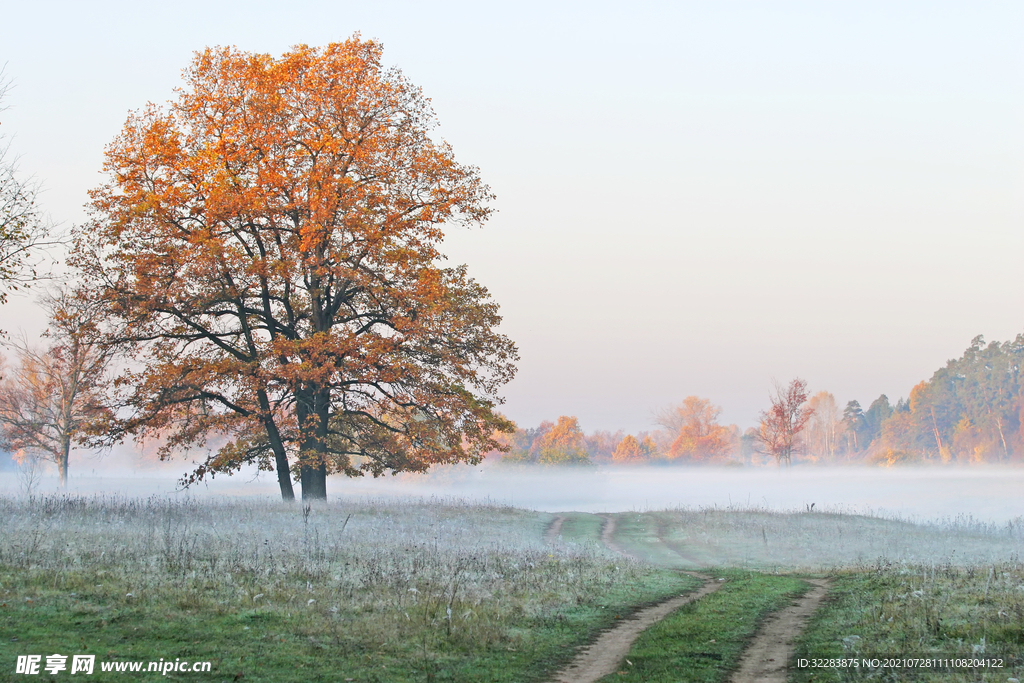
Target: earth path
(604, 656)
(766, 659)
(555, 528)
(608, 538)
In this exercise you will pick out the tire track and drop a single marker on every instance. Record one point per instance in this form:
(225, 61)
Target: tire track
(608, 538)
(766, 659)
(554, 529)
(674, 546)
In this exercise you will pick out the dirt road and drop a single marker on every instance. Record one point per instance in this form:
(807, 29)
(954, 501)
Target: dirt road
(766, 659)
(606, 654)
(554, 529)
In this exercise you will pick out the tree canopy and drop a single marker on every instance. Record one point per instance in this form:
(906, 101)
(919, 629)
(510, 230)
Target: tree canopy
(632, 450)
(696, 434)
(563, 444)
(779, 431)
(269, 245)
(969, 411)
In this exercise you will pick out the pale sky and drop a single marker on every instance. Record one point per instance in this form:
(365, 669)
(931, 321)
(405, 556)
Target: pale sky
(693, 198)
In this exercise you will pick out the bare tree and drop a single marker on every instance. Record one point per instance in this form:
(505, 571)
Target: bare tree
(30, 472)
(779, 431)
(54, 398)
(825, 426)
(25, 233)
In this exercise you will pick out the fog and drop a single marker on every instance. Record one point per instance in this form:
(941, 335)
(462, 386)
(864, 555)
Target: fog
(985, 493)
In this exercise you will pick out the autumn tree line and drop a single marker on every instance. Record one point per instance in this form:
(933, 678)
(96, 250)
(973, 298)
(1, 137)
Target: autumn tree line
(970, 411)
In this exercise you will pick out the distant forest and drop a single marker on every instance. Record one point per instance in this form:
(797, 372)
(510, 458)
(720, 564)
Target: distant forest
(971, 411)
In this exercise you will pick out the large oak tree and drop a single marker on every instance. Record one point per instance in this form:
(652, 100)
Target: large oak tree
(269, 242)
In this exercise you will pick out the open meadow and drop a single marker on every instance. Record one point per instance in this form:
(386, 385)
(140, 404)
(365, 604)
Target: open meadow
(448, 590)
(373, 591)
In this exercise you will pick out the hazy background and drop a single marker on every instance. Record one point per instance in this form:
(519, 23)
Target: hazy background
(693, 198)
(988, 494)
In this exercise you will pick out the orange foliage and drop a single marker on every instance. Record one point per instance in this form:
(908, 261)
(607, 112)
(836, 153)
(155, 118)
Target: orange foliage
(696, 434)
(563, 444)
(632, 450)
(270, 245)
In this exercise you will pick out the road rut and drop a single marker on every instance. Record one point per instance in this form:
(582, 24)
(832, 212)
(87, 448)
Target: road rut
(766, 659)
(606, 654)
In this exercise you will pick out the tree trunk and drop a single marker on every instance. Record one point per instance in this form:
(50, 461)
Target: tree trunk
(1006, 450)
(284, 475)
(943, 453)
(314, 482)
(313, 471)
(311, 412)
(1002, 437)
(62, 459)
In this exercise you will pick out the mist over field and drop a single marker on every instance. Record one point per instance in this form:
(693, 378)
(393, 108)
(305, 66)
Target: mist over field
(988, 494)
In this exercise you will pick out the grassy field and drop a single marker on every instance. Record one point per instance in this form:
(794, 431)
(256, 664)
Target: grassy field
(952, 588)
(926, 611)
(378, 591)
(580, 527)
(443, 590)
(810, 541)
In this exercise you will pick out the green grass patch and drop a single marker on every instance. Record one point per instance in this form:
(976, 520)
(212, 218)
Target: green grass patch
(640, 534)
(702, 641)
(904, 610)
(299, 642)
(581, 527)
